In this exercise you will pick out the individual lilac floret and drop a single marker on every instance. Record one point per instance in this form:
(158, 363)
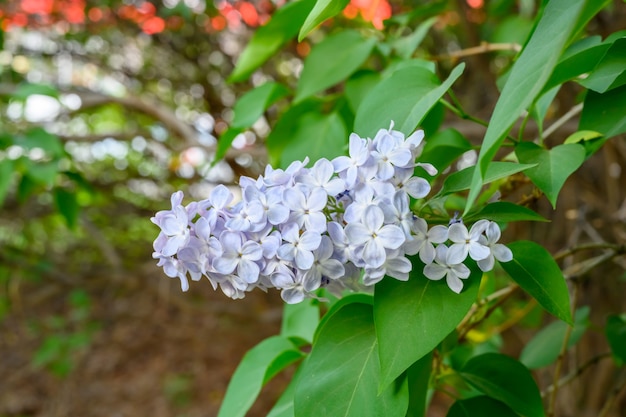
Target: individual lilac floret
(424, 240)
(454, 273)
(467, 242)
(348, 167)
(299, 247)
(323, 266)
(240, 256)
(497, 250)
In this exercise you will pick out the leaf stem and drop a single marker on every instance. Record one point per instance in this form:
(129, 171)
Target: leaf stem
(483, 48)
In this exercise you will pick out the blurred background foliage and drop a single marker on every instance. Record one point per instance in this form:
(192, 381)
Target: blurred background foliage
(107, 107)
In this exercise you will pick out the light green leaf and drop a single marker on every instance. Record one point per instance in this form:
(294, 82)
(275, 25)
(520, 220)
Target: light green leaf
(250, 107)
(340, 376)
(259, 365)
(6, 175)
(536, 272)
(554, 166)
(504, 212)
(42, 173)
(605, 113)
(582, 136)
(40, 138)
(300, 320)
(504, 379)
(542, 105)
(616, 334)
(405, 97)
(316, 136)
(398, 64)
(461, 180)
(480, 406)
(67, 205)
(323, 9)
(332, 61)
(406, 46)
(413, 317)
(544, 348)
(610, 72)
(528, 77)
(27, 89)
(269, 38)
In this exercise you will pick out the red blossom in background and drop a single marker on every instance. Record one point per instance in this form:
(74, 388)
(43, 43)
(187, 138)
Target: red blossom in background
(374, 11)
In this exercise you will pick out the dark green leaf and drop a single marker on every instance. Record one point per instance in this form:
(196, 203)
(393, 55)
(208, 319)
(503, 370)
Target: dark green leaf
(323, 9)
(284, 405)
(413, 317)
(258, 366)
(536, 272)
(316, 136)
(610, 72)
(332, 61)
(544, 348)
(405, 98)
(406, 46)
(505, 379)
(444, 148)
(553, 166)
(528, 77)
(6, 175)
(605, 113)
(616, 335)
(340, 376)
(269, 38)
(358, 86)
(67, 205)
(480, 406)
(461, 180)
(27, 89)
(418, 376)
(504, 212)
(300, 320)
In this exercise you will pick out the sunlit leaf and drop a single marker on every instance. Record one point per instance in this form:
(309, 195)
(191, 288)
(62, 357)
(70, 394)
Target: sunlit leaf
(413, 317)
(528, 77)
(259, 365)
(544, 348)
(554, 166)
(504, 379)
(323, 9)
(340, 376)
(536, 272)
(269, 38)
(332, 61)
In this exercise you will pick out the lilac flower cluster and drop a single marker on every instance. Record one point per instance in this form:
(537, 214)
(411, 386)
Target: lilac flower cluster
(339, 224)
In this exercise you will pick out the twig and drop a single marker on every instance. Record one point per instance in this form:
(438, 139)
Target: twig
(618, 249)
(617, 391)
(501, 296)
(560, 122)
(483, 48)
(576, 373)
(559, 361)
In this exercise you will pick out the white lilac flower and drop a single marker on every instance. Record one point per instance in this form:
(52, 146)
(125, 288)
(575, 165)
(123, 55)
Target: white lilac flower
(341, 244)
(398, 212)
(239, 256)
(454, 273)
(174, 269)
(175, 226)
(306, 207)
(424, 240)
(374, 237)
(497, 250)
(323, 266)
(299, 247)
(321, 176)
(269, 202)
(292, 290)
(348, 166)
(388, 154)
(363, 198)
(416, 187)
(467, 242)
(395, 266)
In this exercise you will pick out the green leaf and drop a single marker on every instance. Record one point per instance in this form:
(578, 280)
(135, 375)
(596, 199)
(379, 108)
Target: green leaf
(316, 136)
(444, 147)
(528, 77)
(582, 136)
(6, 174)
(418, 376)
(610, 72)
(553, 166)
(300, 320)
(323, 9)
(461, 180)
(27, 89)
(616, 334)
(504, 212)
(505, 379)
(250, 107)
(361, 298)
(39, 138)
(398, 64)
(284, 405)
(67, 205)
(259, 365)
(536, 272)
(42, 173)
(605, 113)
(332, 61)
(406, 46)
(544, 348)
(269, 38)
(542, 105)
(358, 86)
(413, 317)
(480, 406)
(405, 97)
(224, 143)
(340, 376)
